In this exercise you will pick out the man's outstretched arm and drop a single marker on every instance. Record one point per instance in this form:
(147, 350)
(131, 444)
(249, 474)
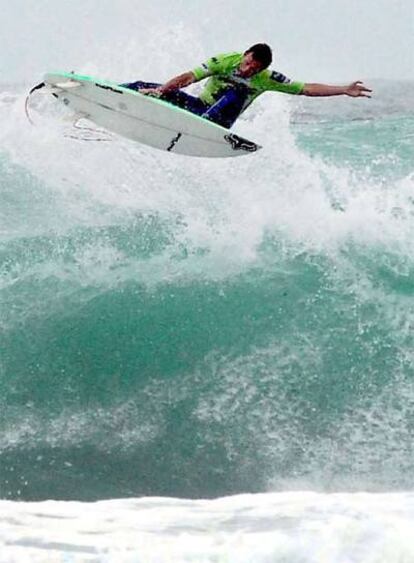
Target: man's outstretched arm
(175, 83)
(355, 90)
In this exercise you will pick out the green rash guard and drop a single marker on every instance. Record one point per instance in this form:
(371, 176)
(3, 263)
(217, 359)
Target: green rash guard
(223, 73)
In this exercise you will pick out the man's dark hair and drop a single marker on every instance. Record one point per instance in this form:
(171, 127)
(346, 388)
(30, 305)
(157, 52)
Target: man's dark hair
(262, 53)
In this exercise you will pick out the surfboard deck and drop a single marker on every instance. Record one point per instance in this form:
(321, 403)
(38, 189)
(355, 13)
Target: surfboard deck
(145, 119)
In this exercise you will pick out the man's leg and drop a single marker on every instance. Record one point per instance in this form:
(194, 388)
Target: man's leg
(227, 108)
(177, 97)
(186, 101)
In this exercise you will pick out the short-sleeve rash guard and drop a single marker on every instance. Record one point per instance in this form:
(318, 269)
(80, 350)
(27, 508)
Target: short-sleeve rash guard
(222, 71)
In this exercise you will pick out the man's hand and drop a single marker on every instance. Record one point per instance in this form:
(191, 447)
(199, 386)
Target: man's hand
(156, 92)
(357, 90)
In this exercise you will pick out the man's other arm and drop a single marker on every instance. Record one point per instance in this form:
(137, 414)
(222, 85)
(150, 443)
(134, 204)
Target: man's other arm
(355, 90)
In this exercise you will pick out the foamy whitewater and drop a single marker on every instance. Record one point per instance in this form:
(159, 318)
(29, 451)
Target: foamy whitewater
(209, 360)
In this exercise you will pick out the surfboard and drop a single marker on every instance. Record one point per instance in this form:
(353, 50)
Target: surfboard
(145, 119)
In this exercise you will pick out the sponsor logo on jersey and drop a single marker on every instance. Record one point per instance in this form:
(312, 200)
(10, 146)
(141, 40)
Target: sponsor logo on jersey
(279, 77)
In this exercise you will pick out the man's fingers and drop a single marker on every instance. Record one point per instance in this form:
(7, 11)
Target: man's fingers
(361, 86)
(362, 91)
(365, 92)
(150, 92)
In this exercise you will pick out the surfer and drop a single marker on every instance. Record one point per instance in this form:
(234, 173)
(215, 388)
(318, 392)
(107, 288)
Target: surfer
(235, 81)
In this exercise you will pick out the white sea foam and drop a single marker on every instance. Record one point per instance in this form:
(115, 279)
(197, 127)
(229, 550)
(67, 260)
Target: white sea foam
(227, 206)
(301, 527)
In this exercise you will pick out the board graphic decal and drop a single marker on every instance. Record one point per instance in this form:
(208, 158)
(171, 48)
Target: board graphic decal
(238, 143)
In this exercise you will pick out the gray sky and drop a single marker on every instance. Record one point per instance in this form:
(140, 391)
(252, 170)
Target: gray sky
(313, 40)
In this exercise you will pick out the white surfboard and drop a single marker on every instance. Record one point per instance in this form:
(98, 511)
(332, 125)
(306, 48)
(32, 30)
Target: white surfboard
(146, 119)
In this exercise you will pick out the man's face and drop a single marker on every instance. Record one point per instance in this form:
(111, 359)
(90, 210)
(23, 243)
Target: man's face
(249, 65)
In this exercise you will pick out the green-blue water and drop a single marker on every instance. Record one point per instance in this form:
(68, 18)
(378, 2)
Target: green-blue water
(181, 328)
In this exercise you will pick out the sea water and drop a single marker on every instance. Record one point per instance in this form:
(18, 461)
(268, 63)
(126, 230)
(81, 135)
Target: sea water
(209, 360)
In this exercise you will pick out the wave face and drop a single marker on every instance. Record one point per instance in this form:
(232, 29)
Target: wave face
(191, 328)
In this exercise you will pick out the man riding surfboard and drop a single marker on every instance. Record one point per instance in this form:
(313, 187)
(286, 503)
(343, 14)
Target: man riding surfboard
(235, 80)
